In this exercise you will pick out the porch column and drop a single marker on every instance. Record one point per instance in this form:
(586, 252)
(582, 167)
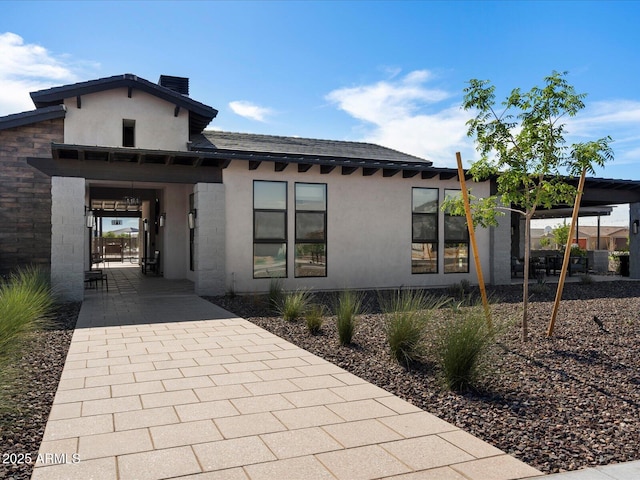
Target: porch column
(634, 242)
(69, 237)
(209, 241)
(500, 252)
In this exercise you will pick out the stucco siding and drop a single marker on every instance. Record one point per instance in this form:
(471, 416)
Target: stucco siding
(99, 121)
(368, 230)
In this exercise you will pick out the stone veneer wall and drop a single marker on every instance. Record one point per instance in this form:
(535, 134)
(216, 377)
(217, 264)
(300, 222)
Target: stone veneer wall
(25, 195)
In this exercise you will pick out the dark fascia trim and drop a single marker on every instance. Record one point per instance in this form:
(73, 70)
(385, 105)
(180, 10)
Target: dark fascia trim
(201, 114)
(32, 116)
(327, 161)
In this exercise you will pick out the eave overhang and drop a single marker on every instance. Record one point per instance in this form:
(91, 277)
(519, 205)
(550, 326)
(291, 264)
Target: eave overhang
(327, 164)
(130, 164)
(32, 116)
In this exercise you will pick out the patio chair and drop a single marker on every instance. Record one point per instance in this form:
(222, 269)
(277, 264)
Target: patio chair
(152, 264)
(92, 277)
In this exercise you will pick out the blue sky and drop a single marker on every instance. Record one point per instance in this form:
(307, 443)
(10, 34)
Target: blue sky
(385, 72)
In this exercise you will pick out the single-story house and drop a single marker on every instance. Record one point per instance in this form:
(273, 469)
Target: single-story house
(232, 211)
(587, 237)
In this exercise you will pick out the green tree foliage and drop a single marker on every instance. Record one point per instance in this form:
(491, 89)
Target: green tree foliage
(561, 235)
(523, 148)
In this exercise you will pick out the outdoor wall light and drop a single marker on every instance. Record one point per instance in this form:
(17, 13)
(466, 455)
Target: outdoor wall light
(163, 219)
(191, 218)
(90, 218)
(145, 225)
(634, 227)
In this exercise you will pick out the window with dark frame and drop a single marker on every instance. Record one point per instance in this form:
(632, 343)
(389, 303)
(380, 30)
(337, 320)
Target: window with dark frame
(424, 230)
(128, 133)
(269, 229)
(311, 230)
(456, 240)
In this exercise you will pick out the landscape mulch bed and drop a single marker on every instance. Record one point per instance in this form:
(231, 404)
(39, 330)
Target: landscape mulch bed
(561, 403)
(37, 373)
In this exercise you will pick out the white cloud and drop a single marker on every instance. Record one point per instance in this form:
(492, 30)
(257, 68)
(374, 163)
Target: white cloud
(26, 67)
(250, 110)
(400, 114)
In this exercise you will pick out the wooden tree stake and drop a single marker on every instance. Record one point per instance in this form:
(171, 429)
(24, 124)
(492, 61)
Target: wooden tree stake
(567, 253)
(472, 238)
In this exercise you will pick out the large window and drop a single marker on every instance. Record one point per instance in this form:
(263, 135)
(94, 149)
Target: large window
(456, 240)
(424, 236)
(311, 230)
(269, 229)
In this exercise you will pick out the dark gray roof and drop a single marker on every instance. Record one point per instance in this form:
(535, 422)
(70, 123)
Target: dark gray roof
(295, 146)
(32, 116)
(199, 114)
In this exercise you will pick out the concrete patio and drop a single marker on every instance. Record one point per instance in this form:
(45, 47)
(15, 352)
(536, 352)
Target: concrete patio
(160, 383)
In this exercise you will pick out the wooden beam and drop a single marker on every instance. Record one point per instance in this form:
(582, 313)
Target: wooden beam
(254, 164)
(409, 173)
(303, 167)
(279, 166)
(79, 102)
(389, 172)
(176, 111)
(129, 92)
(368, 171)
(426, 175)
(324, 169)
(348, 170)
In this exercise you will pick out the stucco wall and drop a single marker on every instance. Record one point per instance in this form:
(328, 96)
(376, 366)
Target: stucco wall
(175, 233)
(99, 121)
(25, 195)
(368, 229)
(634, 241)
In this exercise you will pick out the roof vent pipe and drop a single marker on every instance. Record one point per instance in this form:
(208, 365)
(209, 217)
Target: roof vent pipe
(177, 84)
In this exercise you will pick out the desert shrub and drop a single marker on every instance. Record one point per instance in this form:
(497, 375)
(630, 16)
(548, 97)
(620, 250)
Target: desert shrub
(276, 294)
(459, 289)
(461, 343)
(586, 279)
(407, 314)
(314, 317)
(294, 304)
(25, 301)
(539, 287)
(348, 306)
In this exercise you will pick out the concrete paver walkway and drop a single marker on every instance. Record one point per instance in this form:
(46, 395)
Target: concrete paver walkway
(160, 383)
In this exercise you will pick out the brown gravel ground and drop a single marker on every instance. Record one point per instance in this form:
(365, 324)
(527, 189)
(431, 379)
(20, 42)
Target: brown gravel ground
(37, 373)
(562, 403)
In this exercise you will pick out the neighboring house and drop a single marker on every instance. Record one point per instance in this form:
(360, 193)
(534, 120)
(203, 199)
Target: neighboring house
(611, 238)
(225, 210)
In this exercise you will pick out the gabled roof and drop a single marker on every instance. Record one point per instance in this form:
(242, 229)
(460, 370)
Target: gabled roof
(199, 114)
(32, 116)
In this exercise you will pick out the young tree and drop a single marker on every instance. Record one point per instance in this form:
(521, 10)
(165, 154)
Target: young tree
(561, 235)
(523, 147)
